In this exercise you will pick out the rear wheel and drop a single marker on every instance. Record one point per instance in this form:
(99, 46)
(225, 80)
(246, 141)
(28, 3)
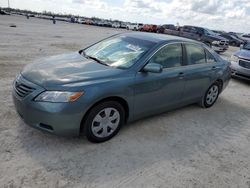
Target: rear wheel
(211, 95)
(104, 121)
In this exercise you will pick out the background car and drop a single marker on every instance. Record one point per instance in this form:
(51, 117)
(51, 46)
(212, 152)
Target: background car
(135, 26)
(162, 28)
(233, 41)
(116, 25)
(2, 12)
(217, 43)
(245, 37)
(240, 62)
(149, 28)
(100, 88)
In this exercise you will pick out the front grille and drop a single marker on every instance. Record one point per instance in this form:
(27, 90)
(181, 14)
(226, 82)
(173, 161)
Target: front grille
(223, 43)
(245, 64)
(22, 90)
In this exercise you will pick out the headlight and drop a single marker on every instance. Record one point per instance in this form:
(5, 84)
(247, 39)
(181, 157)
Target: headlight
(234, 58)
(216, 42)
(58, 96)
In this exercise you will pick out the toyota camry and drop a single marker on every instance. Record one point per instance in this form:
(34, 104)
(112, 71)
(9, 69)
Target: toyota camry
(120, 79)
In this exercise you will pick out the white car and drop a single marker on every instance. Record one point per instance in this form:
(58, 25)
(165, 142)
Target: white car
(80, 20)
(135, 27)
(116, 25)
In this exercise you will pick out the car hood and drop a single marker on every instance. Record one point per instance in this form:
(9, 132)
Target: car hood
(217, 37)
(66, 69)
(244, 54)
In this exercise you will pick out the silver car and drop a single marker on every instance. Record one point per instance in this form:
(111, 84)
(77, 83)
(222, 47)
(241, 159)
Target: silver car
(240, 62)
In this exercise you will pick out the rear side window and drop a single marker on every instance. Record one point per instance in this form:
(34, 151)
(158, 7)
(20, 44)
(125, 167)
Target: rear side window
(195, 54)
(247, 36)
(168, 56)
(210, 58)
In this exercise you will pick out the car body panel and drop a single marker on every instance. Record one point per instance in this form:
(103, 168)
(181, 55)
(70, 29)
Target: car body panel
(161, 91)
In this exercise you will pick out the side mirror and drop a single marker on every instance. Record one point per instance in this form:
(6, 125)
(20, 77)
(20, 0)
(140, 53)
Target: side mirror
(153, 67)
(241, 46)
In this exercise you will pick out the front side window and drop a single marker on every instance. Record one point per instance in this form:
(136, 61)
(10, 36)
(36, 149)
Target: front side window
(168, 56)
(119, 52)
(195, 54)
(247, 46)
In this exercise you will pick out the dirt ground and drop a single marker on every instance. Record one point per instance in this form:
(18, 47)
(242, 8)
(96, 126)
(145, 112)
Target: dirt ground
(188, 147)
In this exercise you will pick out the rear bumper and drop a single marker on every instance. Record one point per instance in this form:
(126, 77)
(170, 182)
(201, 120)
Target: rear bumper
(240, 72)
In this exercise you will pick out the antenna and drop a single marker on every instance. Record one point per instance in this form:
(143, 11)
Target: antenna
(8, 3)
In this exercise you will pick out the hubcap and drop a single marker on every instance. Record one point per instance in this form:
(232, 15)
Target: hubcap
(105, 122)
(212, 94)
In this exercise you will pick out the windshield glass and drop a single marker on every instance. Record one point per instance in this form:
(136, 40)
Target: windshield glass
(119, 52)
(247, 46)
(210, 32)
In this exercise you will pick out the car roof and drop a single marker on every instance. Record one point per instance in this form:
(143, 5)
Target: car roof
(157, 38)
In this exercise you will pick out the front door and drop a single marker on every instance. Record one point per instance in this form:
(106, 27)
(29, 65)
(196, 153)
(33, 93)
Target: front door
(158, 92)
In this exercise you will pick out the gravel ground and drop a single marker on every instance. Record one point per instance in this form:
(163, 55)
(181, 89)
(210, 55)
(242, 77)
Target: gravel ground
(188, 147)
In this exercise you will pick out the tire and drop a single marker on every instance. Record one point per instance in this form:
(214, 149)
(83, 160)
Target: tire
(234, 44)
(104, 121)
(211, 95)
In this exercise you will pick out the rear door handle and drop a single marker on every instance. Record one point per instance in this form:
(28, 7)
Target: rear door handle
(181, 73)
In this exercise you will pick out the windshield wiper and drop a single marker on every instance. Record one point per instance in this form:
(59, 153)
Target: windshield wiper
(94, 58)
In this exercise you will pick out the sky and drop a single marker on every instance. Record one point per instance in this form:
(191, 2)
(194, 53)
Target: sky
(227, 15)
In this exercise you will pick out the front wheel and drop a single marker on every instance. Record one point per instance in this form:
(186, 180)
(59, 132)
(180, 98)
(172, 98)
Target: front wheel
(104, 121)
(234, 44)
(211, 95)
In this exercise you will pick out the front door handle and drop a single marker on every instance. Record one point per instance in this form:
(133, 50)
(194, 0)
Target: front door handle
(214, 67)
(181, 74)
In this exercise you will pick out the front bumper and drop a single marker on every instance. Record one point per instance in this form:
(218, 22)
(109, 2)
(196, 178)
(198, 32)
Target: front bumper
(58, 118)
(239, 71)
(219, 48)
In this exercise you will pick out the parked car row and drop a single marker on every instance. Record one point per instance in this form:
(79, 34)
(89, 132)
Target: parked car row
(208, 37)
(217, 40)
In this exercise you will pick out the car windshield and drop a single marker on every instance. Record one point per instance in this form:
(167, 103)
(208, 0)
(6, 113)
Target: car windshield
(119, 52)
(210, 32)
(247, 46)
(234, 37)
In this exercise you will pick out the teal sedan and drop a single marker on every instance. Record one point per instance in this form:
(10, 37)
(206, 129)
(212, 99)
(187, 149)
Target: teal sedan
(115, 81)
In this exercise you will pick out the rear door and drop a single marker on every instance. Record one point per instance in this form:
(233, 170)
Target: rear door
(199, 70)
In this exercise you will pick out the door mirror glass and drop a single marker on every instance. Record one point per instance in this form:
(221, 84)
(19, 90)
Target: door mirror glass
(153, 67)
(241, 46)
